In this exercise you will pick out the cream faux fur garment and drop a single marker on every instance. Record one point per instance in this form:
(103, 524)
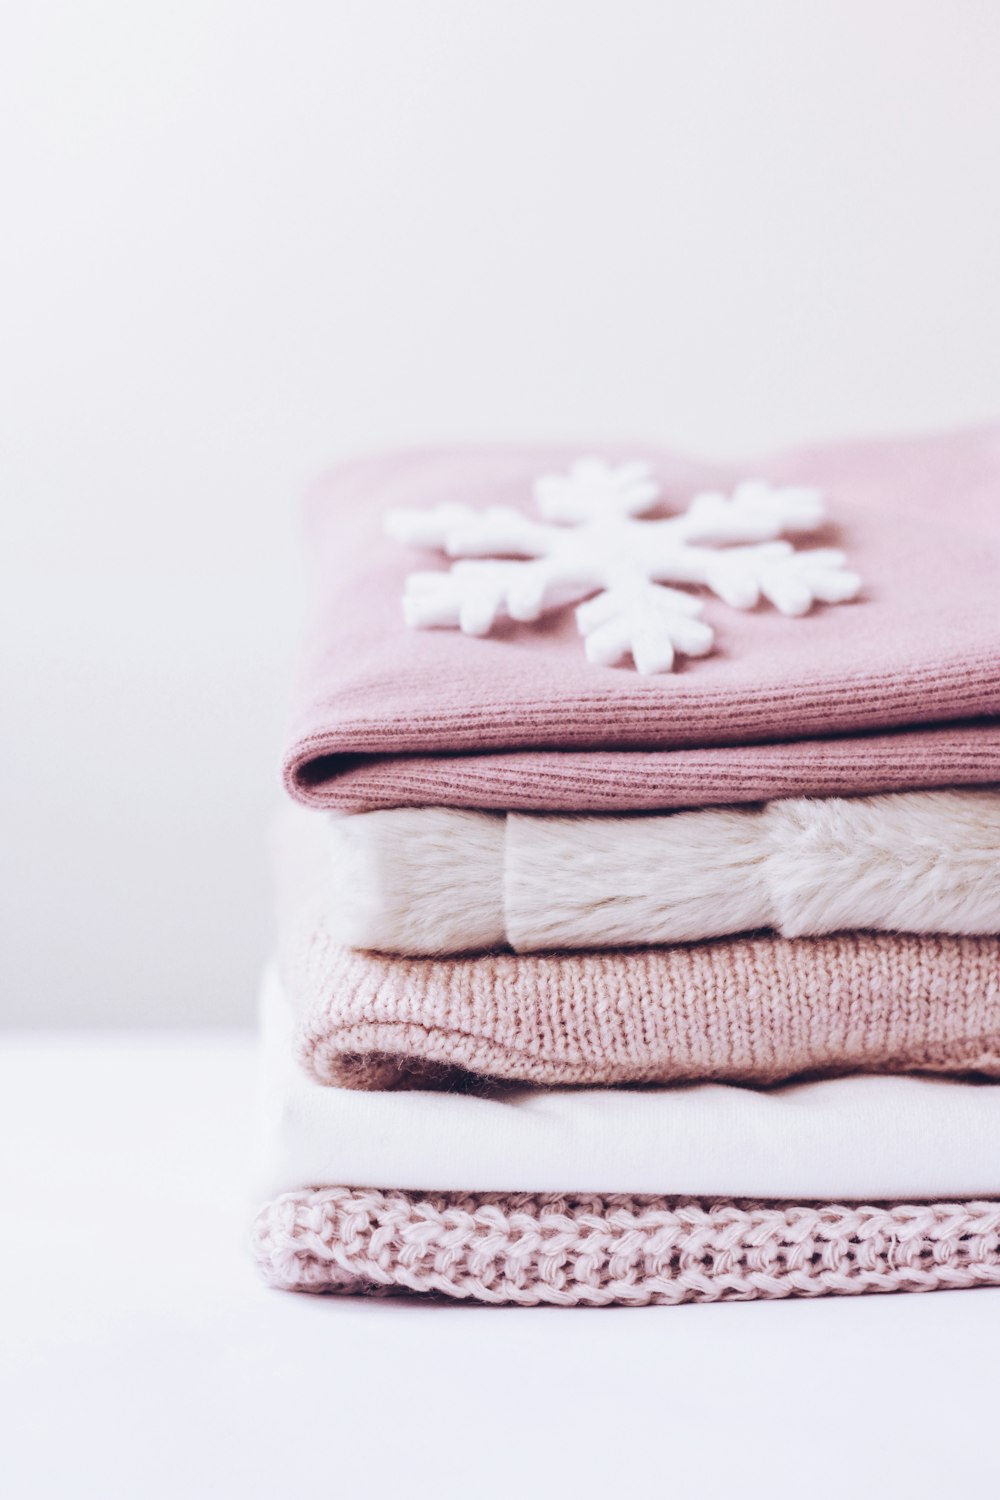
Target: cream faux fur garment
(437, 880)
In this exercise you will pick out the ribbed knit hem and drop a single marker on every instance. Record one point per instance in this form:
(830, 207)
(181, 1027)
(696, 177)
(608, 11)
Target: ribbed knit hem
(609, 781)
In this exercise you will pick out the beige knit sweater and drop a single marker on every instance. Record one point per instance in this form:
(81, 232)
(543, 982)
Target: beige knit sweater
(755, 1010)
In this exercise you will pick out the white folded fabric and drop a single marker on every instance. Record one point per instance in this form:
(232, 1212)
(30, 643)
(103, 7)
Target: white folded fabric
(859, 1138)
(438, 880)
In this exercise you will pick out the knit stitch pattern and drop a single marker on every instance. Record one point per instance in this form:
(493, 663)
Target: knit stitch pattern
(384, 714)
(751, 1010)
(609, 781)
(600, 1251)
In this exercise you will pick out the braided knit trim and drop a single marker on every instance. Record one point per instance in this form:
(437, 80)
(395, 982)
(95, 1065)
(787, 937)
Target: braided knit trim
(592, 1250)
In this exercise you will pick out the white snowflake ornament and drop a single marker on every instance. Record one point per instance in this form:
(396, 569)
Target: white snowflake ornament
(590, 546)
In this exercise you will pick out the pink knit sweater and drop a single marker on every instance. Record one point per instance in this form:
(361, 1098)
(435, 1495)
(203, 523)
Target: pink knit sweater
(900, 689)
(754, 1010)
(591, 1251)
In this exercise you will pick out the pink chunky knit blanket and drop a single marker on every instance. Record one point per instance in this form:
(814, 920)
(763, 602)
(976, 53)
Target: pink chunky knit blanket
(900, 689)
(599, 1251)
(756, 1010)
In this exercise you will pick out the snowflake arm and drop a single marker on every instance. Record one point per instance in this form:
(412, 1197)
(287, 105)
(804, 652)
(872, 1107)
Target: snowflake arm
(462, 531)
(755, 512)
(792, 581)
(593, 488)
(646, 621)
(475, 594)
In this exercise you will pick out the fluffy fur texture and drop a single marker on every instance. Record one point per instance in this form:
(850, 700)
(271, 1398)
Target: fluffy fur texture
(923, 862)
(610, 882)
(410, 878)
(435, 880)
(594, 1251)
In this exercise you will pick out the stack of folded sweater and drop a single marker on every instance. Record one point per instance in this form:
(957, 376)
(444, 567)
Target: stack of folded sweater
(645, 952)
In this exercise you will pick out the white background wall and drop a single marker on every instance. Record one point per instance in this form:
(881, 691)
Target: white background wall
(241, 239)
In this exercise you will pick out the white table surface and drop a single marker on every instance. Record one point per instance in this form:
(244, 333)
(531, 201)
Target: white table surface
(140, 1357)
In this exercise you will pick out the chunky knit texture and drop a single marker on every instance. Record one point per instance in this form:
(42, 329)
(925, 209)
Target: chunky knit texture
(600, 1251)
(520, 720)
(754, 1010)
